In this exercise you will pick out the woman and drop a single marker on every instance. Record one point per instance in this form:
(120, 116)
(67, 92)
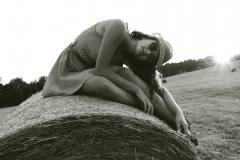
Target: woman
(92, 65)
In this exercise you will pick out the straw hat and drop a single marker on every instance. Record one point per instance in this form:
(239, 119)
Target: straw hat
(165, 50)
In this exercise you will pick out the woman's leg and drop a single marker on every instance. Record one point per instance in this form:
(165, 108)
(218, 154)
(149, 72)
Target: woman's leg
(98, 85)
(160, 108)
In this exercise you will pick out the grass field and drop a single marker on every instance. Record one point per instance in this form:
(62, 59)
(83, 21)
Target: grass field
(4, 111)
(210, 99)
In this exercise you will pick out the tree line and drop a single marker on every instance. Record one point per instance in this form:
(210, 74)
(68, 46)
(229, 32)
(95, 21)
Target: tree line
(17, 90)
(190, 65)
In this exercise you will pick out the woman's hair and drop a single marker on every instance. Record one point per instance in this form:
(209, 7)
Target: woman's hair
(140, 35)
(145, 70)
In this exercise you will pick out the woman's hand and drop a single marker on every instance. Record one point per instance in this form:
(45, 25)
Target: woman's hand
(181, 122)
(144, 101)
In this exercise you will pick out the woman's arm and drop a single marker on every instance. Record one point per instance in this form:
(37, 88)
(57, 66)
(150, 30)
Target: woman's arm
(175, 109)
(114, 33)
(172, 105)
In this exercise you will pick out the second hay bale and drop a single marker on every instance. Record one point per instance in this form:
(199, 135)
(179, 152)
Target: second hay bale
(164, 81)
(233, 69)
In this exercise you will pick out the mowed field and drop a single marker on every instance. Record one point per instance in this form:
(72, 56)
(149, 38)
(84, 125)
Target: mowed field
(210, 99)
(4, 111)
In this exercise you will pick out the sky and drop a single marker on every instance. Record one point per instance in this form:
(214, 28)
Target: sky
(33, 33)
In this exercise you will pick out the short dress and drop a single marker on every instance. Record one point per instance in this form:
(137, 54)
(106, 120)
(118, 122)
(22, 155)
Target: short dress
(72, 69)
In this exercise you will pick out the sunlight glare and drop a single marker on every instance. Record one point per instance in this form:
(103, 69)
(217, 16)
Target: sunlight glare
(221, 58)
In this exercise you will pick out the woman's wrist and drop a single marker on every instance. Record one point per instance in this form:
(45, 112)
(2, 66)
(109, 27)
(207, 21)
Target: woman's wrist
(137, 90)
(179, 112)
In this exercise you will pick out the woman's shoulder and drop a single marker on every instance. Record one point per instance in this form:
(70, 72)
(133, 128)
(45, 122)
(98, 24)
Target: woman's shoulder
(118, 24)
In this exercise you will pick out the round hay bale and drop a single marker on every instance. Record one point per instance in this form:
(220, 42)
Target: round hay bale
(181, 72)
(233, 69)
(84, 127)
(164, 81)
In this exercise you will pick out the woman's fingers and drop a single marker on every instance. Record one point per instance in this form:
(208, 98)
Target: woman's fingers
(145, 102)
(152, 110)
(181, 124)
(178, 126)
(150, 106)
(147, 107)
(185, 129)
(144, 105)
(144, 108)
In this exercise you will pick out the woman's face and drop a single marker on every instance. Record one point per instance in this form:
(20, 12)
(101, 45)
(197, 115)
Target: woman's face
(146, 50)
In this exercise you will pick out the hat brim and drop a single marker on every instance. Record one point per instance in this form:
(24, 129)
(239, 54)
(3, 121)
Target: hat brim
(165, 50)
(168, 52)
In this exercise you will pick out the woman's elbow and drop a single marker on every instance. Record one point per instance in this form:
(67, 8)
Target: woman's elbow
(97, 72)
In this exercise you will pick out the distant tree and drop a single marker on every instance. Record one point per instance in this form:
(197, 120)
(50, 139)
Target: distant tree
(41, 82)
(1, 95)
(235, 57)
(17, 82)
(17, 91)
(174, 68)
(12, 95)
(33, 86)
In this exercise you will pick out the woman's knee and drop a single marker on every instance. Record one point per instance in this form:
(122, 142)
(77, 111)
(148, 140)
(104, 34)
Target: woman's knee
(126, 73)
(96, 85)
(105, 86)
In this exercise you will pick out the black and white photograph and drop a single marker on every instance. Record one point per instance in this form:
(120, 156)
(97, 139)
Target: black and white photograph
(120, 80)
